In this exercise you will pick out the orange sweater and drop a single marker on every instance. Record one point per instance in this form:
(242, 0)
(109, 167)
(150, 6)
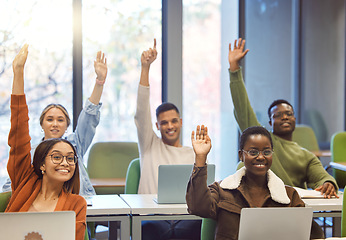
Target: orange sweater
(25, 182)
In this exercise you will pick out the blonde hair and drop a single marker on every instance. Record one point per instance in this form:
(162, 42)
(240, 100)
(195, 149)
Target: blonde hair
(55, 105)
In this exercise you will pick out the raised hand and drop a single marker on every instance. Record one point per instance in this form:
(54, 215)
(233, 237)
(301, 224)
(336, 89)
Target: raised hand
(149, 56)
(100, 65)
(19, 61)
(201, 144)
(235, 55)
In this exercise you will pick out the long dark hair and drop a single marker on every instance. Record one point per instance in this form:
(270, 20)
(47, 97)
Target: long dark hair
(41, 152)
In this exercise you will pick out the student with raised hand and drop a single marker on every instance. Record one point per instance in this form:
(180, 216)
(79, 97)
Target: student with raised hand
(51, 181)
(295, 165)
(254, 185)
(155, 151)
(55, 120)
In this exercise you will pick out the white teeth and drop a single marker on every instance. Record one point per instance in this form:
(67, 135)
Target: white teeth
(63, 170)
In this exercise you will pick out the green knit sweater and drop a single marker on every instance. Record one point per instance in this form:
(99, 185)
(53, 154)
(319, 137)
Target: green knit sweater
(295, 165)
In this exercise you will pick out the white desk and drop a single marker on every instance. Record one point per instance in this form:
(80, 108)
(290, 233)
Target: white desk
(113, 209)
(143, 207)
(324, 207)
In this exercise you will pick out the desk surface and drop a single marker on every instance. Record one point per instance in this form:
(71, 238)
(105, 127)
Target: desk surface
(107, 205)
(143, 204)
(322, 153)
(324, 204)
(108, 182)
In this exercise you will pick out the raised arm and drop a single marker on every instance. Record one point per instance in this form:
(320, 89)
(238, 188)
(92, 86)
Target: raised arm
(237, 54)
(201, 145)
(18, 70)
(19, 163)
(243, 111)
(147, 58)
(100, 65)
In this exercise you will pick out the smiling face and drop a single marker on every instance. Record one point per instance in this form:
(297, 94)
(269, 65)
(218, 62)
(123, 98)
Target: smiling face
(54, 123)
(256, 166)
(169, 124)
(61, 172)
(282, 120)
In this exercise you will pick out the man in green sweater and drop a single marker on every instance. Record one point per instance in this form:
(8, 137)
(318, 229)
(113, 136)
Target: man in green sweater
(295, 165)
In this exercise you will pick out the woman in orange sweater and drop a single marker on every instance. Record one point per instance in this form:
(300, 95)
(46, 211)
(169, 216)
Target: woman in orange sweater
(51, 182)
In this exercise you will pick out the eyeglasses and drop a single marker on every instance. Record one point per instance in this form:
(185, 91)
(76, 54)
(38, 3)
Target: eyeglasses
(57, 158)
(280, 114)
(256, 153)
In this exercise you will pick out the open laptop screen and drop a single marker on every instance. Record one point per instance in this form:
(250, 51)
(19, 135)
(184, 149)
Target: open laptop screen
(38, 225)
(284, 223)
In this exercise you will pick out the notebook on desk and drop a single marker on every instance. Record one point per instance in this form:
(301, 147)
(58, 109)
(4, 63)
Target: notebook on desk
(173, 179)
(284, 223)
(38, 225)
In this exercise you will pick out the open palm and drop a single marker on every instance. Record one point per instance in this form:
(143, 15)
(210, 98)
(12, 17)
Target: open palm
(201, 143)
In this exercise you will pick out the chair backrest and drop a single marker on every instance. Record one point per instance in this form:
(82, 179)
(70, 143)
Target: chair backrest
(110, 160)
(316, 121)
(343, 217)
(338, 150)
(305, 137)
(208, 229)
(132, 177)
(4, 200)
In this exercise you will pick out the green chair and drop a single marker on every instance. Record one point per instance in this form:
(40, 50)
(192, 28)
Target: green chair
(315, 119)
(305, 137)
(338, 150)
(208, 229)
(111, 160)
(343, 217)
(132, 177)
(4, 200)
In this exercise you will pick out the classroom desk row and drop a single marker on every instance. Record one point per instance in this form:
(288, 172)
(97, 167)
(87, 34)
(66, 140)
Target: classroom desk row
(131, 209)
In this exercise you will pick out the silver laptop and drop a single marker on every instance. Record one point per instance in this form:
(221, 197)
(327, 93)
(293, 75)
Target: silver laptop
(173, 181)
(38, 225)
(284, 223)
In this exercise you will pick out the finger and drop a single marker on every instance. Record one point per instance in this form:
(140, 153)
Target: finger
(246, 51)
(192, 136)
(198, 132)
(235, 44)
(103, 57)
(24, 48)
(154, 43)
(229, 47)
(98, 56)
(242, 44)
(206, 132)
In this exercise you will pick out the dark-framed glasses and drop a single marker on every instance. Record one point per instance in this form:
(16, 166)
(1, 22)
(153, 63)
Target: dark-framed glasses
(256, 153)
(280, 114)
(57, 158)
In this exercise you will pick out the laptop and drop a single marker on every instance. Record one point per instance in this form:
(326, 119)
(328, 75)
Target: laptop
(38, 225)
(284, 223)
(173, 181)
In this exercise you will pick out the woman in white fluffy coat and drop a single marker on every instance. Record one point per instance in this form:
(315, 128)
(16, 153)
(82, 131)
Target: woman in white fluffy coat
(254, 185)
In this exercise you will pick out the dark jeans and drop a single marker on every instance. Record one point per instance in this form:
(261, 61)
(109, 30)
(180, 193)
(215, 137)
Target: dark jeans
(177, 229)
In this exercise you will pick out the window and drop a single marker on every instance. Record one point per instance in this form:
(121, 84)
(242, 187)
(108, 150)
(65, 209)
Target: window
(208, 27)
(48, 71)
(122, 30)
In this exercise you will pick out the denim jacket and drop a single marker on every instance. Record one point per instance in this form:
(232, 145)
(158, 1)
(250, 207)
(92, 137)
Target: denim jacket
(81, 139)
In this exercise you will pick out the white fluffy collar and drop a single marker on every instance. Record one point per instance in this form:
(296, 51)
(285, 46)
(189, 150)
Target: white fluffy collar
(275, 184)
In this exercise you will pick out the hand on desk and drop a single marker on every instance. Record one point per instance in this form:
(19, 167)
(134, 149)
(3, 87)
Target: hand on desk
(328, 190)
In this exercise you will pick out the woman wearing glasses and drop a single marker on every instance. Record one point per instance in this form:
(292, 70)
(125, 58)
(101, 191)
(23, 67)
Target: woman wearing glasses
(51, 182)
(55, 120)
(254, 185)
